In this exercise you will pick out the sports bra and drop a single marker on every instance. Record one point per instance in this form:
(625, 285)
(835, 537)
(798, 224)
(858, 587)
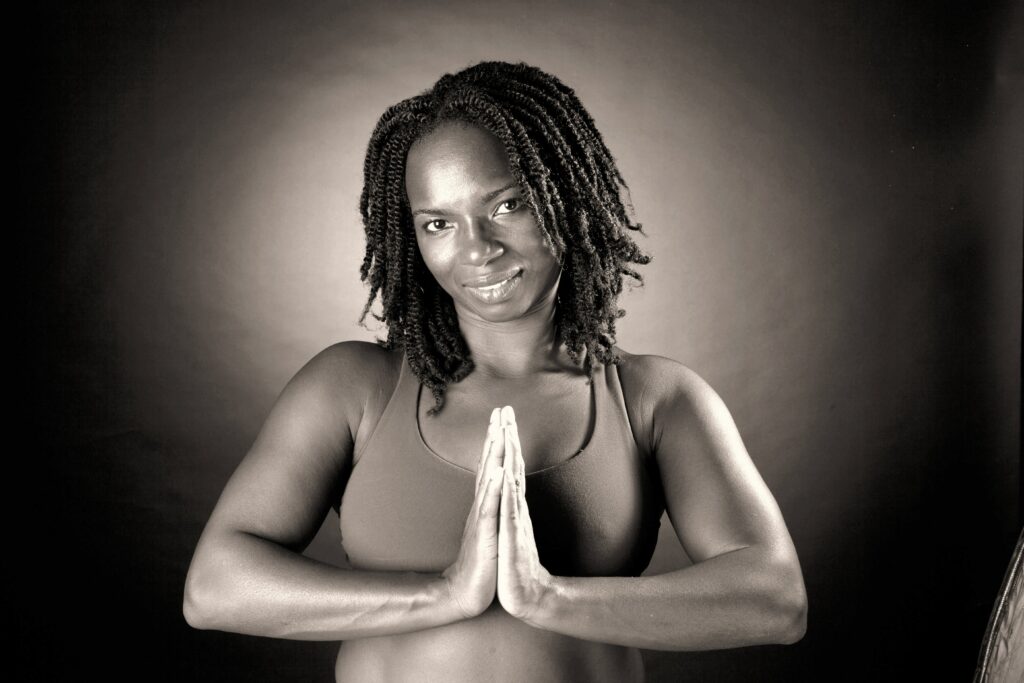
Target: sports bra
(597, 513)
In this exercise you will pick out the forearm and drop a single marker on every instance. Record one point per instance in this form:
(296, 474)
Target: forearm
(253, 586)
(736, 599)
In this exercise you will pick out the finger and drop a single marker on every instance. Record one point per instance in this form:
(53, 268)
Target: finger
(493, 475)
(492, 494)
(526, 521)
(488, 476)
(509, 529)
(508, 420)
(506, 532)
(498, 450)
(490, 443)
(510, 464)
(488, 446)
(508, 416)
(521, 514)
(511, 515)
(486, 469)
(483, 489)
(514, 450)
(519, 461)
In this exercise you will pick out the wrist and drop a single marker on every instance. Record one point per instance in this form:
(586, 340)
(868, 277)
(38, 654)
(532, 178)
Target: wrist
(456, 602)
(547, 596)
(449, 599)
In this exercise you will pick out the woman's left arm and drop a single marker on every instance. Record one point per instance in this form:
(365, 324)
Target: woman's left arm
(745, 586)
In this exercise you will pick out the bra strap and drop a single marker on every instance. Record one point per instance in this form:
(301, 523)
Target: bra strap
(386, 413)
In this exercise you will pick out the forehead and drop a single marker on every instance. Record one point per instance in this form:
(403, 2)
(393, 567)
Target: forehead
(455, 160)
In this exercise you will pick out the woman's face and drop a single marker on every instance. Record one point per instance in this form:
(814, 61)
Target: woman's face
(474, 229)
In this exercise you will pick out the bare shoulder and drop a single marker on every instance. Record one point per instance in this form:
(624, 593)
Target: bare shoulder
(355, 370)
(296, 469)
(359, 360)
(363, 375)
(658, 373)
(657, 389)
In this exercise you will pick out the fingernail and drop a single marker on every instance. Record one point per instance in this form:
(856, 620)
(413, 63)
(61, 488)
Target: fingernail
(495, 415)
(508, 416)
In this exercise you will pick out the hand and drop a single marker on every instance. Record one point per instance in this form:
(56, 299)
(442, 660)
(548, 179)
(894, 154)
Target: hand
(522, 580)
(472, 578)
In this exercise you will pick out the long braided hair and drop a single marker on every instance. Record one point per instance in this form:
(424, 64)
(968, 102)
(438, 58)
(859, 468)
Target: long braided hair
(570, 182)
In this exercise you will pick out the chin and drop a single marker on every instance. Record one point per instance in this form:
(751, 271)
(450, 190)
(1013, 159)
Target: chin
(503, 312)
(498, 313)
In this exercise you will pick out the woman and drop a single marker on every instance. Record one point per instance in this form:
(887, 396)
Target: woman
(497, 242)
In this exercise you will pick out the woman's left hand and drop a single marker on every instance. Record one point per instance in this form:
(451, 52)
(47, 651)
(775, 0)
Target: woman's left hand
(522, 581)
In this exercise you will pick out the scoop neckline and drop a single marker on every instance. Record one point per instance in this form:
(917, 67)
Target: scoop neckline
(588, 440)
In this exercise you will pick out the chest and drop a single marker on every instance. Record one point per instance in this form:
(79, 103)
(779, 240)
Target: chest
(595, 511)
(555, 419)
(595, 514)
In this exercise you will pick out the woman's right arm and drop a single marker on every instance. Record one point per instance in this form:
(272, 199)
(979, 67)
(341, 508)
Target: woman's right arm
(248, 574)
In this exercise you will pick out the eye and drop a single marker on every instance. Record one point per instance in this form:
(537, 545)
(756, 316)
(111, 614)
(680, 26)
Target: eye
(508, 206)
(436, 225)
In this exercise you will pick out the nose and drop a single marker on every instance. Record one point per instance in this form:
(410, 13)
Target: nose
(480, 243)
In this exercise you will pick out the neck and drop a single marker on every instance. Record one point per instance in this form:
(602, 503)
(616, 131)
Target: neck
(517, 348)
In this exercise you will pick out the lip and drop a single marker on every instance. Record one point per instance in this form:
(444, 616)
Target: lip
(492, 278)
(498, 292)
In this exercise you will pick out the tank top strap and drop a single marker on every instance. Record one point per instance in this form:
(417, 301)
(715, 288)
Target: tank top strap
(616, 409)
(406, 385)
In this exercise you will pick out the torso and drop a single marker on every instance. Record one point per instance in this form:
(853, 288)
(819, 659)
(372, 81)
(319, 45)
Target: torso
(595, 513)
(491, 647)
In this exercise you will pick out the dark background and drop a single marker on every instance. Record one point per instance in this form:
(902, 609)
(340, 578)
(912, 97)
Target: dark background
(834, 196)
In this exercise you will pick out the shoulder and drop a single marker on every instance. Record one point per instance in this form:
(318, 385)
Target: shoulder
(358, 363)
(660, 391)
(296, 468)
(349, 376)
(658, 375)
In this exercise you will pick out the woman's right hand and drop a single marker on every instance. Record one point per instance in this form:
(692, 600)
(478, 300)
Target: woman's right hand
(473, 577)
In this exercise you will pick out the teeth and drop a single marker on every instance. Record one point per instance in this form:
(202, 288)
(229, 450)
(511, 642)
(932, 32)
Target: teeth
(494, 286)
(489, 288)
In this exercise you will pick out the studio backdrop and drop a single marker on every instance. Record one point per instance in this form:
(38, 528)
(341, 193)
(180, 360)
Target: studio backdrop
(831, 193)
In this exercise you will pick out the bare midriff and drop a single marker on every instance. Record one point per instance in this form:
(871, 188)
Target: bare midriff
(492, 647)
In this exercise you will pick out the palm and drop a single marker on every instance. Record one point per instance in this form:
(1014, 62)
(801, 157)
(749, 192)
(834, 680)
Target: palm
(522, 580)
(473, 577)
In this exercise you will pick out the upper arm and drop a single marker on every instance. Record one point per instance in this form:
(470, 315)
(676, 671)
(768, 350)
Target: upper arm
(715, 497)
(298, 465)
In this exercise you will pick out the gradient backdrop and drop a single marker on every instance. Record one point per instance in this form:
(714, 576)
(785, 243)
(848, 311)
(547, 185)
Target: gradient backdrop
(833, 196)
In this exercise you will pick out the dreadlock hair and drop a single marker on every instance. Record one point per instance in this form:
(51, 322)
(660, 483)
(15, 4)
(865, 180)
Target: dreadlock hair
(570, 182)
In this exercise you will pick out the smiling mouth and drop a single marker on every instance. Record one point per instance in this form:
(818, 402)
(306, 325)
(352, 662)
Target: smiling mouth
(499, 291)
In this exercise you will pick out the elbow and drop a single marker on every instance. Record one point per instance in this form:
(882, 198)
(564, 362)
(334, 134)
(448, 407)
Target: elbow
(791, 610)
(203, 601)
(190, 609)
(194, 607)
(794, 623)
(781, 602)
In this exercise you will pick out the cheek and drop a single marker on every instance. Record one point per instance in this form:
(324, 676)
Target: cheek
(437, 261)
(542, 255)
(540, 247)
(547, 244)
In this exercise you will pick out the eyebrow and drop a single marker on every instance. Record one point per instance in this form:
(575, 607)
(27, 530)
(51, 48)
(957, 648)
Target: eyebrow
(486, 198)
